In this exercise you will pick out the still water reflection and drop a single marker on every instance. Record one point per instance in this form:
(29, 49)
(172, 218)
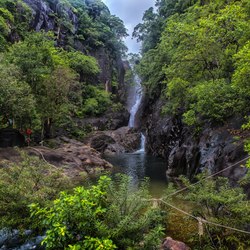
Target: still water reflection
(139, 166)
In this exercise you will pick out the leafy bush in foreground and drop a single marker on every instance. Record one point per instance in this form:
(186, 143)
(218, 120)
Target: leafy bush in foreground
(109, 215)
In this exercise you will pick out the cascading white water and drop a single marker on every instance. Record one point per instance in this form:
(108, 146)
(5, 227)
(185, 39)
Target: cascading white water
(142, 147)
(137, 97)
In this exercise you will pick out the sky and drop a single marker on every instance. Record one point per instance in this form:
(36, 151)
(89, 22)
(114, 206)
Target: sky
(131, 12)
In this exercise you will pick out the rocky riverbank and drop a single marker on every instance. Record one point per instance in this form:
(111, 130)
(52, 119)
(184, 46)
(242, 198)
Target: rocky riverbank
(75, 158)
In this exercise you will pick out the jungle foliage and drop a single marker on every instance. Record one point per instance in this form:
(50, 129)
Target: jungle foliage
(197, 62)
(44, 79)
(199, 59)
(118, 213)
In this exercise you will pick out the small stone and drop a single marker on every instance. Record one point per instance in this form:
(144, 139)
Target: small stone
(170, 244)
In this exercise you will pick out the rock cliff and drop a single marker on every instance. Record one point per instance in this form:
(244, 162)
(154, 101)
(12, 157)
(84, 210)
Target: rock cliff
(64, 22)
(188, 151)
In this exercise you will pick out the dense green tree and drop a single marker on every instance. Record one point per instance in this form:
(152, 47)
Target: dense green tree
(50, 72)
(242, 73)
(17, 102)
(41, 58)
(41, 68)
(214, 100)
(201, 46)
(96, 100)
(85, 66)
(98, 28)
(14, 20)
(54, 99)
(6, 18)
(149, 31)
(42, 62)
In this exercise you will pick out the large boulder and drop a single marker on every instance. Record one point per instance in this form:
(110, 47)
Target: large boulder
(122, 140)
(75, 158)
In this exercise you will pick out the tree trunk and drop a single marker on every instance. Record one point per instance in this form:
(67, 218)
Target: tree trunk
(48, 128)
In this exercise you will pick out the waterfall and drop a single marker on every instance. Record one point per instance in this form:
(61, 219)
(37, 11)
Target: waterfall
(142, 146)
(136, 96)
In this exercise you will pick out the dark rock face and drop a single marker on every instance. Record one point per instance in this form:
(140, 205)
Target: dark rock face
(41, 12)
(170, 244)
(10, 138)
(122, 140)
(108, 63)
(105, 64)
(123, 86)
(44, 15)
(187, 153)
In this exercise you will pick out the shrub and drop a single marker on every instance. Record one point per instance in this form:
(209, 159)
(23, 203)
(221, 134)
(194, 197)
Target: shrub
(31, 180)
(97, 100)
(109, 214)
(218, 202)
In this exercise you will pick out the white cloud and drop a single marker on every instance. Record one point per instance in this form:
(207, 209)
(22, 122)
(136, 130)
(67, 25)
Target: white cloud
(131, 12)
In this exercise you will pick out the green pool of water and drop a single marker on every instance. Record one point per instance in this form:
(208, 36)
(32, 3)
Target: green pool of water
(138, 166)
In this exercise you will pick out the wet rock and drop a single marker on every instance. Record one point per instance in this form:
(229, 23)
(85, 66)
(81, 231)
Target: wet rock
(122, 140)
(170, 244)
(128, 138)
(14, 240)
(33, 243)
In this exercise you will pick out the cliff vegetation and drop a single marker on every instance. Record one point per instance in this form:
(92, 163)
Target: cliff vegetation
(198, 60)
(59, 60)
